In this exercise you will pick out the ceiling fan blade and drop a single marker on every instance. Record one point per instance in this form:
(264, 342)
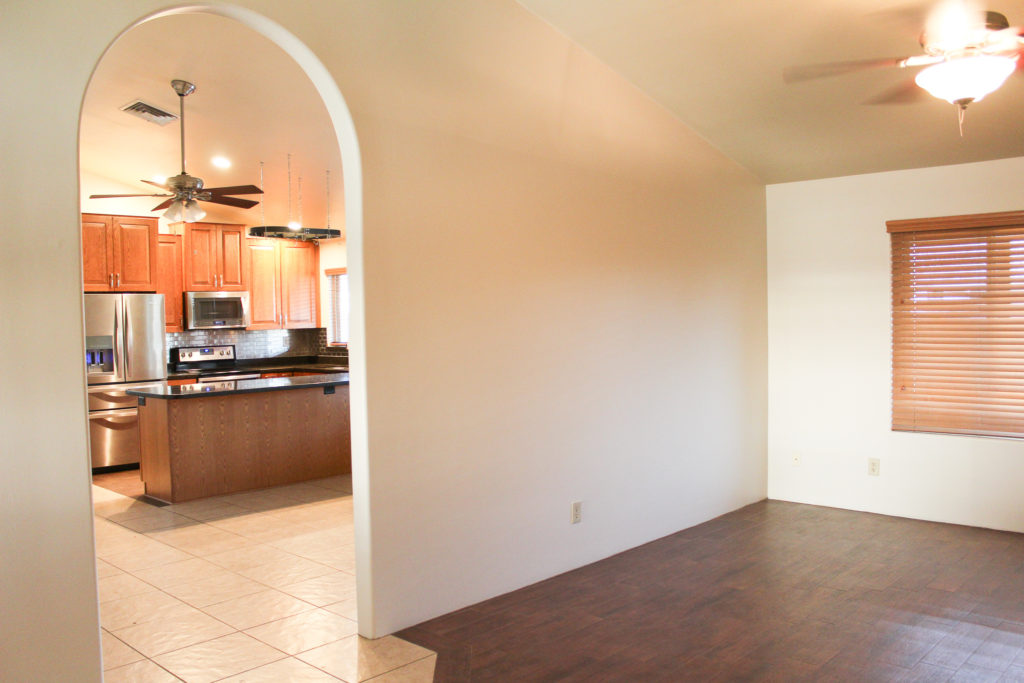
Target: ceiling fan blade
(231, 201)
(163, 205)
(234, 189)
(907, 92)
(109, 196)
(807, 72)
(154, 184)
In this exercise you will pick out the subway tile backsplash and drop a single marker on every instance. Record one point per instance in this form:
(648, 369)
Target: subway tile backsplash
(253, 343)
(324, 350)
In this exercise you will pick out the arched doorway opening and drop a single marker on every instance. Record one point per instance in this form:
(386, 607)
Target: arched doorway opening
(345, 141)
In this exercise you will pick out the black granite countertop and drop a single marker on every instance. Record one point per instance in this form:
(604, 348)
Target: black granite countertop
(241, 386)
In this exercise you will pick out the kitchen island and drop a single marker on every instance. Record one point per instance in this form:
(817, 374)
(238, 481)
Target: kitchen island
(201, 440)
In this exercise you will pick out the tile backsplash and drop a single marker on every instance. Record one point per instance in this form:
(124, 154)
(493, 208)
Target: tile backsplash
(322, 349)
(253, 343)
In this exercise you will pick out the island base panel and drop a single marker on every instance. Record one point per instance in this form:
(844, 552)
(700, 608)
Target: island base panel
(213, 445)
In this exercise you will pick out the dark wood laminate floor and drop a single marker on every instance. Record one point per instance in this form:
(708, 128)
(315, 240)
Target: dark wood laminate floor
(774, 592)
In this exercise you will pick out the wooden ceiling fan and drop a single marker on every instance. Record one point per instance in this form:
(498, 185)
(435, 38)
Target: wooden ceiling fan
(186, 190)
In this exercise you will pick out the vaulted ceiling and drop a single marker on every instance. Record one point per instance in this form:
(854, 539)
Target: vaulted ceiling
(719, 67)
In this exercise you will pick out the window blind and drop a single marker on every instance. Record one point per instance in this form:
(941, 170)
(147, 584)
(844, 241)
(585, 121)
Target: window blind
(337, 331)
(958, 324)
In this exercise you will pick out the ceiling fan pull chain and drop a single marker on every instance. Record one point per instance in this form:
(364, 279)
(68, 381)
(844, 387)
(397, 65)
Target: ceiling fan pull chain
(961, 112)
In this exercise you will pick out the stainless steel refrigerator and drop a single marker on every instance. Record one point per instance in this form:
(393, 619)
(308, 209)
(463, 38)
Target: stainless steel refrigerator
(124, 347)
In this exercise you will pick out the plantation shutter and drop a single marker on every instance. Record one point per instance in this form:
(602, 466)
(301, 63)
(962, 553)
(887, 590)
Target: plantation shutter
(958, 324)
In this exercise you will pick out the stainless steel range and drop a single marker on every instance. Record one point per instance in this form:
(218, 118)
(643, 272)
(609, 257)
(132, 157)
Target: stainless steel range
(210, 363)
(124, 347)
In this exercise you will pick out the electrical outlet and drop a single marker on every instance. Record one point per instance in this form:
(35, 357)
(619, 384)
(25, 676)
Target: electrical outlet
(873, 466)
(796, 460)
(577, 512)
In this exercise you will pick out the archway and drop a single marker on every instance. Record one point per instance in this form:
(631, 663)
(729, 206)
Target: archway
(347, 142)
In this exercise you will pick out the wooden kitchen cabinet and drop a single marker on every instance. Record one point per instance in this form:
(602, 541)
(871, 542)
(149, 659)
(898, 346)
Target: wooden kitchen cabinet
(282, 283)
(118, 253)
(299, 284)
(214, 257)
(169, 281)
(264, 284)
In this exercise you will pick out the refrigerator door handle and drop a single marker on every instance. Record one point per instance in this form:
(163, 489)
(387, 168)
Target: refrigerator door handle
(118, 342)
(127, 344)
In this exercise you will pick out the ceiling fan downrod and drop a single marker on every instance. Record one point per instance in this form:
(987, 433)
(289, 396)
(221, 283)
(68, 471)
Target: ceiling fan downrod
(184, 89)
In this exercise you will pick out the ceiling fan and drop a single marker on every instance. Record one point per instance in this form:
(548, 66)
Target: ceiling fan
(968, 53)
(187, 190)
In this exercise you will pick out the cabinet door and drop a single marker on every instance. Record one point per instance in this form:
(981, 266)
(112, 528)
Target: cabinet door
(230, 258)
(135, 241)
(200, 255)
(264, 284)
(97, 253)
(169, 281)
(298, 284)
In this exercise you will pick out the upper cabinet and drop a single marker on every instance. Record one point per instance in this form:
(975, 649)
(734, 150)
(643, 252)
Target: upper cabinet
(264, 266)
(282, 276)
(118, 253)
(214, 257)
(169, 279)
(299, 284)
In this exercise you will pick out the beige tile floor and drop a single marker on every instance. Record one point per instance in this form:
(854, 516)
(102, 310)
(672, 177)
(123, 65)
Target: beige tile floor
(256, 586)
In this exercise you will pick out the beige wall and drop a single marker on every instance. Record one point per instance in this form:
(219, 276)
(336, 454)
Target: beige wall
(830, 367)
(564, 292)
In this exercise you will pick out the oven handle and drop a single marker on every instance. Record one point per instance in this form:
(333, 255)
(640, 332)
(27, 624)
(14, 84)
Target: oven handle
(225, 378)
(123, 415)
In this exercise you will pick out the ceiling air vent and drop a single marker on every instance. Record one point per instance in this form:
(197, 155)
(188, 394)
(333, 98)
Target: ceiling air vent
(149, 112)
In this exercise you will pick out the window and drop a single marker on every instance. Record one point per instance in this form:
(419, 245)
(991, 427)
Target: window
(337, 329)
(958, 324)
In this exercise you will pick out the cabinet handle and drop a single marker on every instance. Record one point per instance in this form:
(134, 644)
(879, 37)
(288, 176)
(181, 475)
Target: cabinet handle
(110, 280)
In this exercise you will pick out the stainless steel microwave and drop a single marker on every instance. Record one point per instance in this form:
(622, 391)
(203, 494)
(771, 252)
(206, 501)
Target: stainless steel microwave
(216, 310)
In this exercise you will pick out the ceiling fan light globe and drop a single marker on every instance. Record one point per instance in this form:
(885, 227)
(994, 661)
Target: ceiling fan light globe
(966, 78)
(193, 212)
(175, 212)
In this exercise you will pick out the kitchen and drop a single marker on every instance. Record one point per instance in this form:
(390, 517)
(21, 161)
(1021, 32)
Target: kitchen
(216, 358)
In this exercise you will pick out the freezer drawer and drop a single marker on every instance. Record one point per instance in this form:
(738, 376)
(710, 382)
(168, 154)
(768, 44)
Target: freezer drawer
(114, 437)
(111, 397)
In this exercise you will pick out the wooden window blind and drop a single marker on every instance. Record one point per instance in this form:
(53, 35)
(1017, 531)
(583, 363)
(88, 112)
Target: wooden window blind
(958, 324)
(337, 330)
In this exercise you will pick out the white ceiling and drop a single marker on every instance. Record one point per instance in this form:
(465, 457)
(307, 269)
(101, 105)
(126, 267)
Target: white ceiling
(719, 67)
(252, 103)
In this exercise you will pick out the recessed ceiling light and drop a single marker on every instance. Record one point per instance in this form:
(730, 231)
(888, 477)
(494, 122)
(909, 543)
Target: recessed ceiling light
(221, 162)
